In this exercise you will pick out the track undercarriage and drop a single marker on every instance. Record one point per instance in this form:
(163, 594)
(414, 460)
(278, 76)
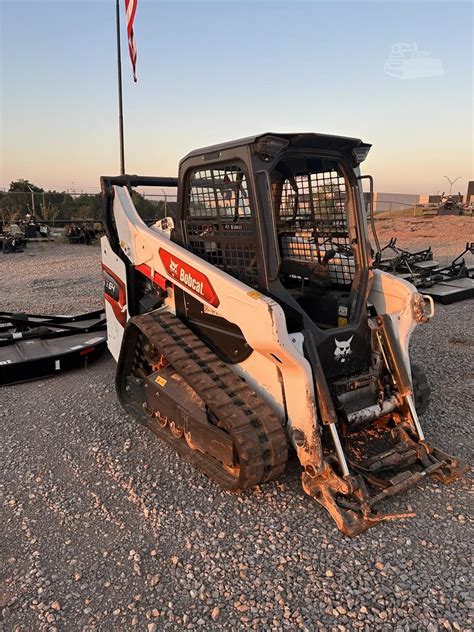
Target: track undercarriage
(170, 380)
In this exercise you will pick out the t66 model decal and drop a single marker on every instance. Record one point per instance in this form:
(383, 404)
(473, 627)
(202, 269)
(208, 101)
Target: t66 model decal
(115, 294)
(187, 276)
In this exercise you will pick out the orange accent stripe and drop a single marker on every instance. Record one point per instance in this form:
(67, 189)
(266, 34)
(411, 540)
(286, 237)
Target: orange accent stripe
(156, 278)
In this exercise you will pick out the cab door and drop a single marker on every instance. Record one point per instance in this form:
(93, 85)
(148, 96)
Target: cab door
(219, 226)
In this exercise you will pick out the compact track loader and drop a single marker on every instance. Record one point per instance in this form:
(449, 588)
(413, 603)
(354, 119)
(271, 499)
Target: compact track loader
(255, 322)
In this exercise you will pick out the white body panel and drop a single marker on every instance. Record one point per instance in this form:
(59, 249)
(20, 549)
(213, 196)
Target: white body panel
(394, 296)
(263, 376)
(114, 328)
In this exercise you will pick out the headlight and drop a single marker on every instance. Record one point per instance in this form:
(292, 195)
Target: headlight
(361, 152)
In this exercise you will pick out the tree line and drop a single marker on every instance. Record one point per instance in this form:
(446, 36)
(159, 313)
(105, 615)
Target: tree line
(24, 197)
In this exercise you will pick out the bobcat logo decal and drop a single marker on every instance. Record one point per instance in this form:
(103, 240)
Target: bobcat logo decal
(343, 350)
(188, 277)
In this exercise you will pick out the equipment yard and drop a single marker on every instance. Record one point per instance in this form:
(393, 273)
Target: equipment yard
(104, 528)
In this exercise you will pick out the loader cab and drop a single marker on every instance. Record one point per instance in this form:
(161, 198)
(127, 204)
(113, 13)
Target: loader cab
(316, 232)
(284, 214)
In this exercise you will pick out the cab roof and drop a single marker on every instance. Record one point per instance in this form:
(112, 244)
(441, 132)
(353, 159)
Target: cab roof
(279, 141)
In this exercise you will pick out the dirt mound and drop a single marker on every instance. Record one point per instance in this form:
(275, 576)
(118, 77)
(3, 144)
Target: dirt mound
(446, 235)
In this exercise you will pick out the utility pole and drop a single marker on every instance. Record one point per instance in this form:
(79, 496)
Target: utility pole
(120, 97)
(32, 201)
(451, 182)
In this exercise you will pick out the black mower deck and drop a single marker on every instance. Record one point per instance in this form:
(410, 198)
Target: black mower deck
(34, 346)
(451, 291)
(445, 284)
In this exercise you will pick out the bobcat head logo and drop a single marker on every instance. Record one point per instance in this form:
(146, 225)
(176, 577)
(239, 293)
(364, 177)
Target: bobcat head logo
(173, 266)
(343, 350)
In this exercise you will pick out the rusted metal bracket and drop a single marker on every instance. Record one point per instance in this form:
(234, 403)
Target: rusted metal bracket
(352, 513)
(347, 498)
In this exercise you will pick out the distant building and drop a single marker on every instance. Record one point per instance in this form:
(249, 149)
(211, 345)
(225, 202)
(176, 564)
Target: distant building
(470, 192)
(395, 201)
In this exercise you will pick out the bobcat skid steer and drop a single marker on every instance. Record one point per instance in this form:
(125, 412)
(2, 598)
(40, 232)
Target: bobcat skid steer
(254, 322)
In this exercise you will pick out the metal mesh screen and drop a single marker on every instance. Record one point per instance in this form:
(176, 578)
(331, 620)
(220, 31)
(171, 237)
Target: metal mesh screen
(313, 219)
(220, 223)
(219, 193)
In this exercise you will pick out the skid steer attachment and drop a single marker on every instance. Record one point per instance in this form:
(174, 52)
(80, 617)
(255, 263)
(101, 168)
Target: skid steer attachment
(34, 346)
(253, 321)
(381, 454)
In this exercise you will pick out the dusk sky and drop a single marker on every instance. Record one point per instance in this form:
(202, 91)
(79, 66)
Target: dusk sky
(213, 71)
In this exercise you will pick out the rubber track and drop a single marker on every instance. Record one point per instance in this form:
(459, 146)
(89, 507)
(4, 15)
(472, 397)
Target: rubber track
(257, 434)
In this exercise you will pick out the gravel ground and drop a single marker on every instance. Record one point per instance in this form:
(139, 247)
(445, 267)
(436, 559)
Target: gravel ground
(104, 529)
(52, 278)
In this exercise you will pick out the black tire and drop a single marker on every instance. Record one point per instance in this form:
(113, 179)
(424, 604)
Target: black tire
(421, 389)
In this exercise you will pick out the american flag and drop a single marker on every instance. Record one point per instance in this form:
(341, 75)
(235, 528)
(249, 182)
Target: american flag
(131, 8)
